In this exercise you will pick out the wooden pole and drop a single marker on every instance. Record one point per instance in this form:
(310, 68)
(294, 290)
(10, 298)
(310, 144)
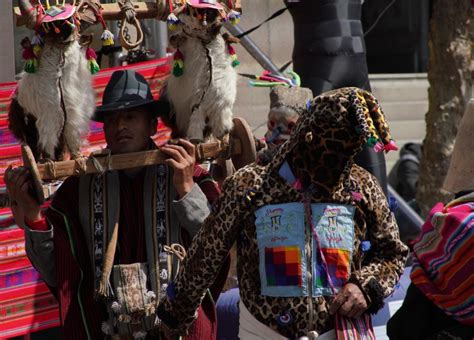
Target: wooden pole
(101, 163)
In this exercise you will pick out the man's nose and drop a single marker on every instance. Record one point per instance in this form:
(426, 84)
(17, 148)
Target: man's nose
(121, 123)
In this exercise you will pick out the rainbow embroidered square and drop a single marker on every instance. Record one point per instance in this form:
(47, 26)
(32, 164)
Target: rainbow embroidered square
(283, 266)
(338, 266)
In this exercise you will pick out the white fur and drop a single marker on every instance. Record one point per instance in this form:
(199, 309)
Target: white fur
(215, 99)
(40, 96)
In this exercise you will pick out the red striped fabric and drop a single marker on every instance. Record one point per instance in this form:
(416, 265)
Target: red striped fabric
(443, 262)
(26, 305)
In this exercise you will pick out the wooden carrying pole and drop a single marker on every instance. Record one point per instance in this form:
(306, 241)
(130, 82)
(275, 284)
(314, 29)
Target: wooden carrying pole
(101, 163)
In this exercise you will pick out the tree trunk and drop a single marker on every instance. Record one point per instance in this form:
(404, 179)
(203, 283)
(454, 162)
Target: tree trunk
(449, 75)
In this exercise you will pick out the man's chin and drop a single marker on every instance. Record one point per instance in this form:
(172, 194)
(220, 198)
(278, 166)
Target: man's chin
(125, 149)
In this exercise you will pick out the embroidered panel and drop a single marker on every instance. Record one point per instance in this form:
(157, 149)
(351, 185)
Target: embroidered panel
(281, 240)
(283, 261)
(98, 218)
(334, 227)
(161, 199)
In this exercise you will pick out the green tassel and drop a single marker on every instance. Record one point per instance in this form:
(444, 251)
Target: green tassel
(235, 63)
(372, 141)
(93, 66)
(178, 69)
(31, 66)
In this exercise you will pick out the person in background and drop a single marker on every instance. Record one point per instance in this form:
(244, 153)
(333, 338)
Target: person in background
(404, 175)
(286, 104)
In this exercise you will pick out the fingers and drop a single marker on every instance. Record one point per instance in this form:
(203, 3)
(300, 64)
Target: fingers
(352, 308)
(172, 163)
(338, 301)
(353, 302)
(184, 153)
(16, 178)
(177, 152)
(189, 147)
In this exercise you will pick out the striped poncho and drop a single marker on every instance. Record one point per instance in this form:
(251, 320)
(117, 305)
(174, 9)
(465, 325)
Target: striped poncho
(443, 267)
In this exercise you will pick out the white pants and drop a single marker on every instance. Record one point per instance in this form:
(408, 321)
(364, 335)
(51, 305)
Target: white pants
(252, 329)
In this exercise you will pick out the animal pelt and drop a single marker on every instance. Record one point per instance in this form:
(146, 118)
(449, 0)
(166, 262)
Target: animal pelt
(58, 99)
(203, 97)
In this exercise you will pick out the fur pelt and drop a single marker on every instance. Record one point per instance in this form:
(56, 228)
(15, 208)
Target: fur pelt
(203, 97)
(58, 98)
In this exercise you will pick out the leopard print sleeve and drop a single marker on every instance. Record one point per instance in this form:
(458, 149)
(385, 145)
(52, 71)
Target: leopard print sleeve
(385, 260)
(204, 259)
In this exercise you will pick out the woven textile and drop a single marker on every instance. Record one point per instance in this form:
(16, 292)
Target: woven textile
(26, 304)
(443, 266)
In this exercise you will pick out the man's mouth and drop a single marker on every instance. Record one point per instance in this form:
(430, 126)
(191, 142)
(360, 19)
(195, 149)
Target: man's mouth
(123, 138)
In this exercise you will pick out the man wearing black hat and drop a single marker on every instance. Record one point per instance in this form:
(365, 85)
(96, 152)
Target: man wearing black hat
(105, 245)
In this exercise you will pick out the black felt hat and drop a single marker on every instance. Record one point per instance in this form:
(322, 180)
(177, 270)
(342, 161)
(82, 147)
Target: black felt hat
(125, 90)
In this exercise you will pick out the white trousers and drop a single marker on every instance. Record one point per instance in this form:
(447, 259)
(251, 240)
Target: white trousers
(252, 329)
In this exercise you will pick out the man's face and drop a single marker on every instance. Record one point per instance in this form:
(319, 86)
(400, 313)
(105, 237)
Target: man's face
(128, 130)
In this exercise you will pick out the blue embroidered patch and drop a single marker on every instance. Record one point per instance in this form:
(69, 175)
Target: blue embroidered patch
(284, 319)
(365, 246)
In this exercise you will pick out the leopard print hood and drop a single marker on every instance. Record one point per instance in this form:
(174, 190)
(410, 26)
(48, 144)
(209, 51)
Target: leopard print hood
(330, 132)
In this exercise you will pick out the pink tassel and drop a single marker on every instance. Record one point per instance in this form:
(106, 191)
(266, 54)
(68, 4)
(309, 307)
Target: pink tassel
(379, 147)
(391, 146)
(297, 185)
(357, 196)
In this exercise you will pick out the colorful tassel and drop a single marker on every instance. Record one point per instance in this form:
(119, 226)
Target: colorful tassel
(31, 63)
(233, 55)
(91, 61)
(37, 40)
(37, 50)
(173, 22)
(233, 17)
(178, 63)
(372, 141)
(378, 147)
(356, 196)
(107, 38)
(391, 146)
(37, 46)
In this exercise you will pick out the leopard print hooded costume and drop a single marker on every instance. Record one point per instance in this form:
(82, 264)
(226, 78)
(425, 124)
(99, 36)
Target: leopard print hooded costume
(330, 132)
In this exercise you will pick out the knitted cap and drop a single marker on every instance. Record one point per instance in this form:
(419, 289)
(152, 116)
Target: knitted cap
(292, 97)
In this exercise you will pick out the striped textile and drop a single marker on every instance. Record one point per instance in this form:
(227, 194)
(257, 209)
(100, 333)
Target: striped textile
(26, 305)
(443, 266)
(354, 328)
